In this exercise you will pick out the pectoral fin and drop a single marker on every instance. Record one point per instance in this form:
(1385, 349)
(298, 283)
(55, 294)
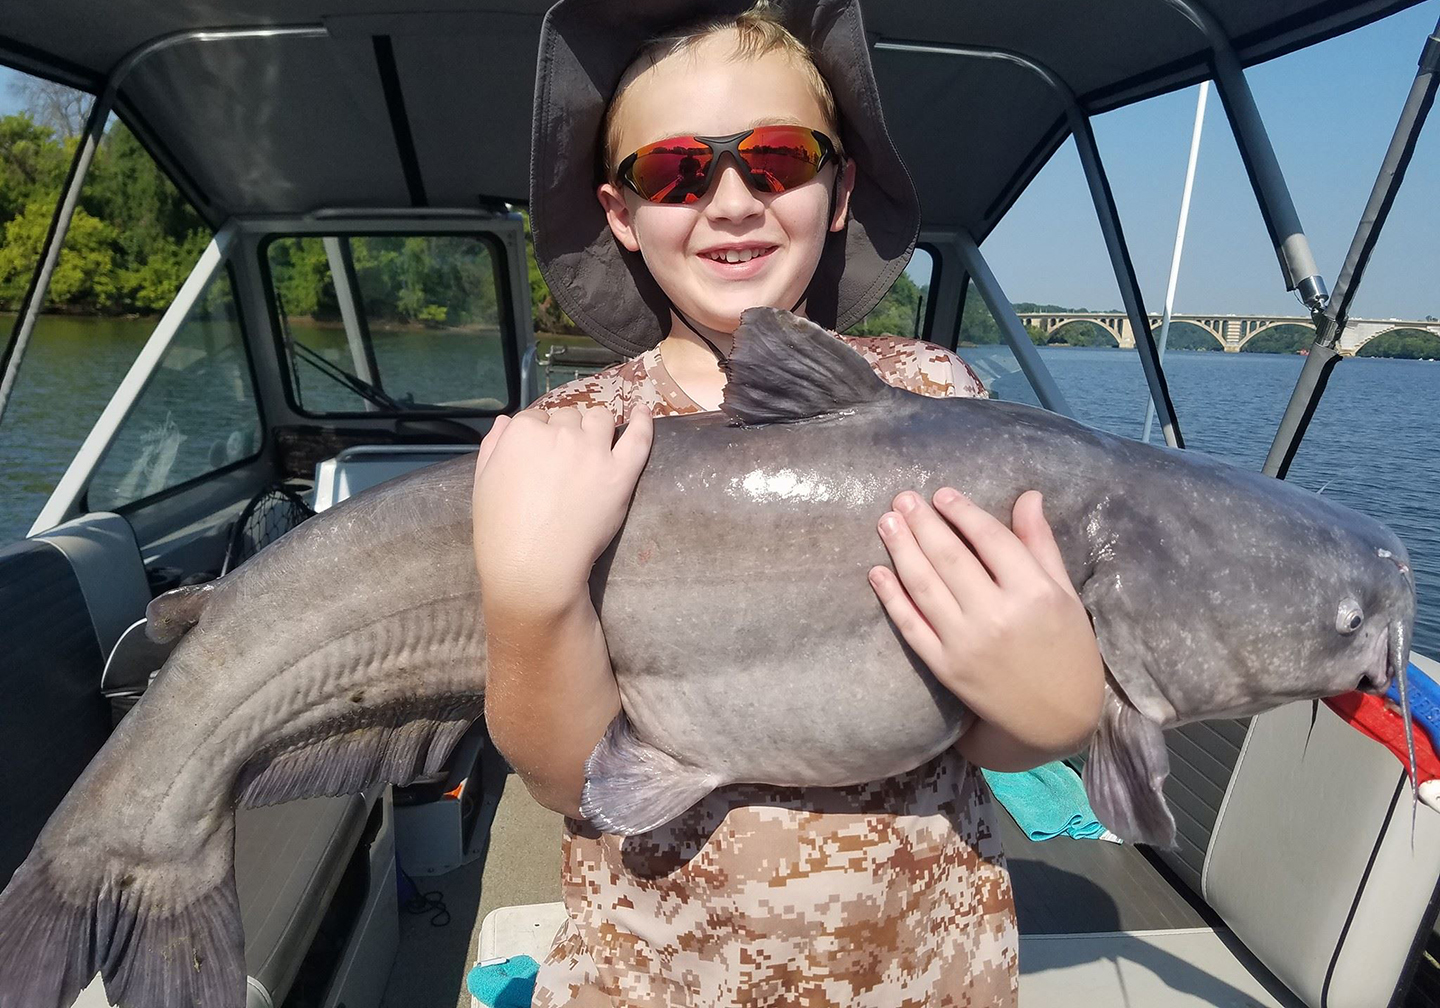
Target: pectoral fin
(631, 787)
(1125, 775)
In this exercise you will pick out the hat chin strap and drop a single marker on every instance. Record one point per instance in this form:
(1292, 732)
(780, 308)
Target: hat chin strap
(720, 358)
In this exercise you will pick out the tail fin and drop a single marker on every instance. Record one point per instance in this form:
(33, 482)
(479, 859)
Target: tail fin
(151, 952)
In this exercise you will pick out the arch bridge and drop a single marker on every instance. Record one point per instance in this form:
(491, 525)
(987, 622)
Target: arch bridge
(1231, 331)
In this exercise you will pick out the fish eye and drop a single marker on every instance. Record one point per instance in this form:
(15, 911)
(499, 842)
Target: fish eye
(1350, 617)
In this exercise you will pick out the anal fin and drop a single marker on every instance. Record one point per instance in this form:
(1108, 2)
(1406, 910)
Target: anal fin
(631, 787)
(393, 744)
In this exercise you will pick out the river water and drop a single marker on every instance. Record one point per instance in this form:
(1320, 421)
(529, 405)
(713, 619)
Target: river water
(1374, 443)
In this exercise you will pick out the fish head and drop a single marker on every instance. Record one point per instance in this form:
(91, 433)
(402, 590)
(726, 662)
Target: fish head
(1225, 594)
(1272, 594)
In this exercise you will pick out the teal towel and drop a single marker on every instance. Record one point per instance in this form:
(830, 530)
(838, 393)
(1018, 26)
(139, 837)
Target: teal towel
(1047, 802)
(509, 983)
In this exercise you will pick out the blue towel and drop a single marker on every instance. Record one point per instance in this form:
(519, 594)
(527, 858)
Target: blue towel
(1047, 802)
(509, 983)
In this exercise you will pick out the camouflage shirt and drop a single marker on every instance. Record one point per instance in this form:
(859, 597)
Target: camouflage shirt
(887, 894)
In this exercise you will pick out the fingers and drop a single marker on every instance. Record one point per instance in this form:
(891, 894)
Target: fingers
(927, 590)
(918, 633)
(488, 442)
(633, 448)
(1031, 528)
(957, 566)
(568, 417)
(1007, 558)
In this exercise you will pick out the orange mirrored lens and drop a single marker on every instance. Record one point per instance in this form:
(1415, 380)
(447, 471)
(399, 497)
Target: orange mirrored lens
(781, 157)
(672, 170)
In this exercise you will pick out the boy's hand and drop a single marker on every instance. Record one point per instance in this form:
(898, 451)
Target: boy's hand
(995, 618)
(550, 494)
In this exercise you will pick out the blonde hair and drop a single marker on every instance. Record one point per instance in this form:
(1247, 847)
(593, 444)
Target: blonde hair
(759, 30)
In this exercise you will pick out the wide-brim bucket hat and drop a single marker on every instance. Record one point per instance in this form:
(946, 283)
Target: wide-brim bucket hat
(585, 46)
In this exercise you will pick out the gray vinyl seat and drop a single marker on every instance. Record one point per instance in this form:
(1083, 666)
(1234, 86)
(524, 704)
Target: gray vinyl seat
(1295, 847)
(289, 858)
(288, 863)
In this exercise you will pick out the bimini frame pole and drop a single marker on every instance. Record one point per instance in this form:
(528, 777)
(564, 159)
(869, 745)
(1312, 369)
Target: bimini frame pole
(1105, 210)
(1297, 264)
(24, 327)
(1330, 323)
(1010, 325)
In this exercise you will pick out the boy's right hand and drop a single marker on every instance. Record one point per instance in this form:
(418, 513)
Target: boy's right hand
(551, 491)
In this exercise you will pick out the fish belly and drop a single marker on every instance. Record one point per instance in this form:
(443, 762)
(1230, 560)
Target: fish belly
(741, 626)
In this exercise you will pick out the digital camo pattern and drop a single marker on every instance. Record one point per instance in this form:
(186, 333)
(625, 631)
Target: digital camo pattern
(892, 893)
(906, 363)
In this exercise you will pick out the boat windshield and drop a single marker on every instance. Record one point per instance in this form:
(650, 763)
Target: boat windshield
(389, 323)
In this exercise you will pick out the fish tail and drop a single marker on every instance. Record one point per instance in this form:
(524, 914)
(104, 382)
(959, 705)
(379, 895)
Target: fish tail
(57, 931)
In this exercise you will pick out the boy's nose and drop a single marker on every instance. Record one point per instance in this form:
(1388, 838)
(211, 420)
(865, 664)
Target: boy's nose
(730, 194)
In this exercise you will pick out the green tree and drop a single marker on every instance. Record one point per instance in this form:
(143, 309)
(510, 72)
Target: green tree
(896, 313)
(1284, 338)
(84, 277)
(1189, 336)
(1408, 344)
(32, 164)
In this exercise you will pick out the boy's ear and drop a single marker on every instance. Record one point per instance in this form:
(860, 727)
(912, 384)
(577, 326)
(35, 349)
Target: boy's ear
(612, 199)
(842, 204)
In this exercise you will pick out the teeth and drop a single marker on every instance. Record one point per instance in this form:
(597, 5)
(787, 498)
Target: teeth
(735, 255)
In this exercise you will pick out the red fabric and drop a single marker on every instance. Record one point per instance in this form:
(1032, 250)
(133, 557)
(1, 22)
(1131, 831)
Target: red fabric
(1371, 715)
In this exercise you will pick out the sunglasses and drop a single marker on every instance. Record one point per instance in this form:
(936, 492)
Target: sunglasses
(679, 169)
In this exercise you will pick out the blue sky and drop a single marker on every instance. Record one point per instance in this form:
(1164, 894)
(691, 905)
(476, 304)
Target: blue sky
(1330, 110)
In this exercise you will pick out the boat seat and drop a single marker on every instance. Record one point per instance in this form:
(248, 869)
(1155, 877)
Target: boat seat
(288, 863)
(1313, 863)
(67, 594)
(1173, 968)
(72, 595)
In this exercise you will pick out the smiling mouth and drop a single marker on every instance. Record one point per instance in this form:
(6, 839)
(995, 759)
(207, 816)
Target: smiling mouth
(735, 256)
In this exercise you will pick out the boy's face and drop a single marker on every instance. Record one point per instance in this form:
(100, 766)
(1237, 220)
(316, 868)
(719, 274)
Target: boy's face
(704, 93)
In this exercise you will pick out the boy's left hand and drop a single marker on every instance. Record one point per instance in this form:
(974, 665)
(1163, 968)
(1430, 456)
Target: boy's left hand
(994, 616)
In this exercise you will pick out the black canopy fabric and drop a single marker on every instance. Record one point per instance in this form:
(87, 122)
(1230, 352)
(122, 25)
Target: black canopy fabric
(399, 107)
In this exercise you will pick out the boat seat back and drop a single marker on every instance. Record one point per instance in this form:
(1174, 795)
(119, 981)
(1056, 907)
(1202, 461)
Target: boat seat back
(1313, 863)
(1202, 758)
(67, 595)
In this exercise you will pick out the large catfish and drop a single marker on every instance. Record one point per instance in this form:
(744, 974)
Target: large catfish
(746, 640)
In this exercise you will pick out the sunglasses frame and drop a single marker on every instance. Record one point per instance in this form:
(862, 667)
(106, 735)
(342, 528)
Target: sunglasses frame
(718, 146)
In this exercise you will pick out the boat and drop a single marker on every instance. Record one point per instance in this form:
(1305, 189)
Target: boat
(1302, 877)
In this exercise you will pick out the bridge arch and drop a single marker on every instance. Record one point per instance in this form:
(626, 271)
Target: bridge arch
(1432, 332)
(1200, 324)
(1272, 325)
(1101, 325)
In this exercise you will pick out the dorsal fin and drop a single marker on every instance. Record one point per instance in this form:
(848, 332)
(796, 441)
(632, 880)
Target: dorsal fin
(785, 368)
(168, 616)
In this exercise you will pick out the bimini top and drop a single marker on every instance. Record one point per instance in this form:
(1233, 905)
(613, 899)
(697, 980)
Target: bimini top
(406, 103)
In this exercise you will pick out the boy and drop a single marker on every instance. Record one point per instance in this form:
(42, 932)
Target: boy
(881, 893)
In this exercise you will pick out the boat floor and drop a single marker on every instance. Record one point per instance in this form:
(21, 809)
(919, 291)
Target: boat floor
(1062, 886)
